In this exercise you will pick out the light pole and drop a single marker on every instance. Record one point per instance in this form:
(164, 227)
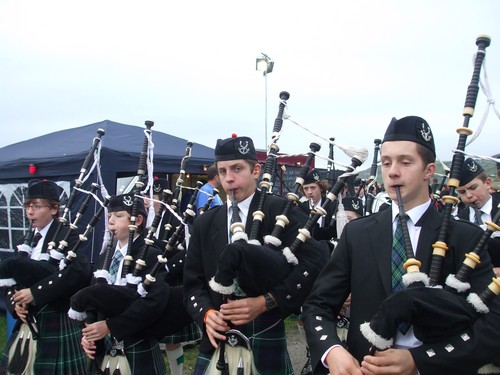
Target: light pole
(264, 64)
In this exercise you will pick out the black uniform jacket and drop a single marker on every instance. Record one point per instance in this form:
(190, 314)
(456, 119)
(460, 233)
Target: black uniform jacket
(328, 229)
(210, 235)
(135, 321)
(494, 242)
(361, 265)
(60, 285)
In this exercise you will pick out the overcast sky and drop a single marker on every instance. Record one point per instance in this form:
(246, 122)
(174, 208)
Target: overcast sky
(189, 66)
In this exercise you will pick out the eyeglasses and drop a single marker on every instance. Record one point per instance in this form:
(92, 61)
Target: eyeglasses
(34, 207)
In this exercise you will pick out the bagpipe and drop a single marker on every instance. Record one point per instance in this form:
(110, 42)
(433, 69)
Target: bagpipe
(438, 312)
(240, 259)
(372, 179)
(209, 201)
(237, 357)
(91, 298)
(20, 271)
(72, 253)
(340, 219)
(107, 297)
(245, 252)
(55, 255)
(175, 231)
(330, 165)
(434, 312)
(105, 300)
(172, 221)
(241, 271)
(174, 263)
(438, 190)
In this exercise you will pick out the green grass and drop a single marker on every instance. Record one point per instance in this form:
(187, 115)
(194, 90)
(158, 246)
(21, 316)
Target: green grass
(3, 331)
(190, 356)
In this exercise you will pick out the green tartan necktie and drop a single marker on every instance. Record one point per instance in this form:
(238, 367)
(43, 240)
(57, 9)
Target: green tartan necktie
(398, 258)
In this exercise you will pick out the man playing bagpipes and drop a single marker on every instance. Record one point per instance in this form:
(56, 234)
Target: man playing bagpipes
(365, 265)
(260, 318)
(128, 329)
(314, 189)
(45, 340)
(191, 332)
(479, 205)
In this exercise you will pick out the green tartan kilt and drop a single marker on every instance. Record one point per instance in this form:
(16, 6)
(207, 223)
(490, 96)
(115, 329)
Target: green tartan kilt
(189, 333)
(58, 350)
(268, 346)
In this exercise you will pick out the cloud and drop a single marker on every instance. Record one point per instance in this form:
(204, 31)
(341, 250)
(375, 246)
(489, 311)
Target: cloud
(190, 66)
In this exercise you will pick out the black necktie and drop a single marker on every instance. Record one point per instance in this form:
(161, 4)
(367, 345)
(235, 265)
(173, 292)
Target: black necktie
(477, 216)
(36, 239)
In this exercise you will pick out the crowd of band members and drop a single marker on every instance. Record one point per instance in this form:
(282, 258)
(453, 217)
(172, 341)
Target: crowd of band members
(75, 346)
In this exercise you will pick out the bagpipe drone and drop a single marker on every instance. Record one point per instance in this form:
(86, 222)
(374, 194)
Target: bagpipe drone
(437, 312)
(106, 299)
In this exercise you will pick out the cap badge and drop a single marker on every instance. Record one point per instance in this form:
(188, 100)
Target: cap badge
(425, 132)
(157, 188)
(316, 176)
(243, 148)
(127, 200)
(472, 167)
(355, 205)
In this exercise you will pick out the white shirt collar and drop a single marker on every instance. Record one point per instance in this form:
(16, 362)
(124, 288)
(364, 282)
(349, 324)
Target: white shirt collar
(415, 213)
(320, 203)
(45, 229)
(487, 207)
(243, 206)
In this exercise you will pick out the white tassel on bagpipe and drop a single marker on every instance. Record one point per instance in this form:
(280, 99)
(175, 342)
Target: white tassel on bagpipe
(351, 151)
(150, 178)
(341, 218)
(476, 156)
(173, 212)
(104, 193)
(360, 153)
(485, 86)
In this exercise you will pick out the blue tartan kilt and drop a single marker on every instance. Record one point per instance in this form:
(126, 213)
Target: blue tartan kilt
(269, 347)
(58, 349)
